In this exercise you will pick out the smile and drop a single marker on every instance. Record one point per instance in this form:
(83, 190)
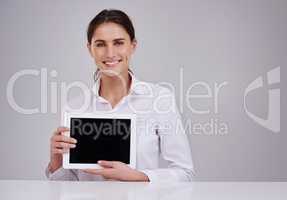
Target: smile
(111, 63)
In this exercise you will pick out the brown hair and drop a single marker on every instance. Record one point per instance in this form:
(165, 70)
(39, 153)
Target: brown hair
(115, 16)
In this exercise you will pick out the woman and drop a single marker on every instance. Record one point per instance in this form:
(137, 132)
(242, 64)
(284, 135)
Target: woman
(111, 43)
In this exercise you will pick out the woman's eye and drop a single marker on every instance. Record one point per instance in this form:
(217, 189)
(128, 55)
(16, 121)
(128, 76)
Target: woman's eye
(118, 43)
(99, 44)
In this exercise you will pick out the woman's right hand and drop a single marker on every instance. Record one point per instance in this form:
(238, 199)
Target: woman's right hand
(59, 144)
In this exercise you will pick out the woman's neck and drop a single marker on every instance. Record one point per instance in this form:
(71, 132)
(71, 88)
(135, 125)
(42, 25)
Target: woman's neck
(114, 88)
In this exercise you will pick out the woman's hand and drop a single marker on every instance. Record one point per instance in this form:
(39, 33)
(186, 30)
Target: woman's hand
(59, 144)
(114, 170)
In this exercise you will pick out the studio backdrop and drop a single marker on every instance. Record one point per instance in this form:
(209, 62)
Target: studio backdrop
(224, 60)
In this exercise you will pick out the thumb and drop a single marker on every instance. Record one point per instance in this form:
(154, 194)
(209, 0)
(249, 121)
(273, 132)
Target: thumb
(106, 164)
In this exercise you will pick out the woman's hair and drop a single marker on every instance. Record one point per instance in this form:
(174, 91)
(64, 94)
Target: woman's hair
(114, 16)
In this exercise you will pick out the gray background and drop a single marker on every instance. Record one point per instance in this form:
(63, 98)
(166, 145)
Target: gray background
(214, 41)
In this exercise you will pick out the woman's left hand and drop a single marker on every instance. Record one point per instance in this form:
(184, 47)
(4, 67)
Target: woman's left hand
(114, 170)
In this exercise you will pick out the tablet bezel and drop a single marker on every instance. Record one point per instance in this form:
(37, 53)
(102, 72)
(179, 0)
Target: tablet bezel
(67, 119)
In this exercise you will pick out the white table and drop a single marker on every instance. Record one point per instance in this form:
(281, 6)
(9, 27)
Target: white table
(42, 190)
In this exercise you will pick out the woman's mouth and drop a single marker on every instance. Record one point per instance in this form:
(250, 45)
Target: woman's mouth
(112, 63)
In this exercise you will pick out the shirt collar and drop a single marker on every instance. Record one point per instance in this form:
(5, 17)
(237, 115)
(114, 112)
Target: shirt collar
(137, 87)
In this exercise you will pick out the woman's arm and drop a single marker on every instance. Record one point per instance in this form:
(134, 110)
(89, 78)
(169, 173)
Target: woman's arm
(173, 144)
(60, 144)
(61, 174)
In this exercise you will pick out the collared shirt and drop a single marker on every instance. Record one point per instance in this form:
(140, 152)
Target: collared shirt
(159, 131)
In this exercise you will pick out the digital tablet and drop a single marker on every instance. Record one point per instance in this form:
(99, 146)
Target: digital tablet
(103, 136)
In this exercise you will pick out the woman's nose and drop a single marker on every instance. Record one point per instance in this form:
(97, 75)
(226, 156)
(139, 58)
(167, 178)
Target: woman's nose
(110, 51)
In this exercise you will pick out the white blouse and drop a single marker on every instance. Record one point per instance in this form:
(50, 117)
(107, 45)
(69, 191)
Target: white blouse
(160, 133)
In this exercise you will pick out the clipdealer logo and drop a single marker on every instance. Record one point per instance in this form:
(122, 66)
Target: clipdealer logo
(272, 122)
(208, 93)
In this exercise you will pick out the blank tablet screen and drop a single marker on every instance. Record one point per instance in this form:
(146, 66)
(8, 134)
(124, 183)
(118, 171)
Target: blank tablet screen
(100, 139)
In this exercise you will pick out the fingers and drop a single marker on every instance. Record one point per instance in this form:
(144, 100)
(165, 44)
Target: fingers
(106, 167)
(106, 173)
(59, 151)
(63, 145)
(107, 164)
(63, 138)
(94, 171)
(60, 143)
(58, 137)
(60, 129)
(60, 148)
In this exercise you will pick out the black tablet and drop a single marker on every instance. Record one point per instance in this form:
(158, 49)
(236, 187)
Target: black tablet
(100, 137)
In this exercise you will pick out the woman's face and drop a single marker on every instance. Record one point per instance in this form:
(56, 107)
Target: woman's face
(111, 47)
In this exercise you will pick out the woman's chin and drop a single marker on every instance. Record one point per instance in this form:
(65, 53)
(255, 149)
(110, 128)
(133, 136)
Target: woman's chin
(111, 72)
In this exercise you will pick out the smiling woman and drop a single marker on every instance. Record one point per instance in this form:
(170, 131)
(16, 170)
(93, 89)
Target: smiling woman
(111, 43)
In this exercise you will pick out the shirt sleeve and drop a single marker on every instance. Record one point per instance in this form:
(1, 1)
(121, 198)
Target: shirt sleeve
(61, 174)
(174, 146)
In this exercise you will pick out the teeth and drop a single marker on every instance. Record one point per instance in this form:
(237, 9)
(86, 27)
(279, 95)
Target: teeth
(112, 63)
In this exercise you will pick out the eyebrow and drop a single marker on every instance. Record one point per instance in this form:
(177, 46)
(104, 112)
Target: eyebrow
(117, 39)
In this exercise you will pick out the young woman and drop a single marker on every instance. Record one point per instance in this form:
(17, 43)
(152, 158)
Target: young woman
(111, 43)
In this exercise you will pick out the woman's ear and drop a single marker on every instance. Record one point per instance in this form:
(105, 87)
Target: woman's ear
(90, 49)
(134, 45)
